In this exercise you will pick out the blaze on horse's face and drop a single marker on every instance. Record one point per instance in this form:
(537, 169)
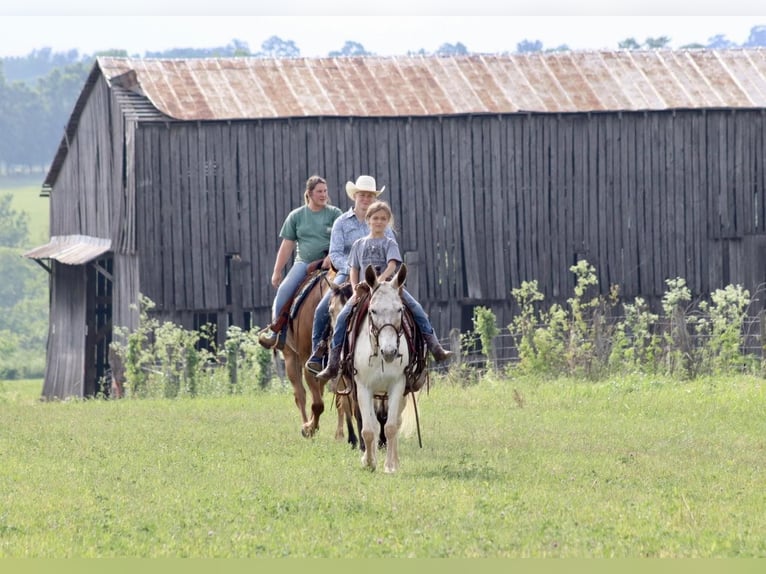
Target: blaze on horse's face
(385, 313)
(341, 294)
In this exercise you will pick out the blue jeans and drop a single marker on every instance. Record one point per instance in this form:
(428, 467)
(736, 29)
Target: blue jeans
(289, 284)
(322, 313)
(418, 313)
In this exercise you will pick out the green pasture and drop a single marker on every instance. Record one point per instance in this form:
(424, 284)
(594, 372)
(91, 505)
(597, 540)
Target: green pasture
(26, 198)
(629, 468)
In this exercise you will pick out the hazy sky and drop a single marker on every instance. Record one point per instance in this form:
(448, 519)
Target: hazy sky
(387, 27)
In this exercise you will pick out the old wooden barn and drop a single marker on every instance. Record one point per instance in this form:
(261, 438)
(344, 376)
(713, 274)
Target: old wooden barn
(173, 177)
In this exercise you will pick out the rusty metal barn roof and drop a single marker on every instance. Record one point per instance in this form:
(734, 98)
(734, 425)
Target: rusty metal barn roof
(71, 249)
(557, 82)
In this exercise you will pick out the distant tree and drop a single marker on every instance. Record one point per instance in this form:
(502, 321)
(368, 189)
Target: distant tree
(112, 53)
(757, 37)
(452, 50)
(350, 49)
(239, 48)
(657, 43)
(720, 42)
(22, 138)
(527, 46)
(629, 44)
(561, 48)
(276, 47)
(693, 46)
(37, 63)
(14, 226)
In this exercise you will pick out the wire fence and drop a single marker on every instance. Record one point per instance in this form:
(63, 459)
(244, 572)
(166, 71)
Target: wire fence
(505, 351)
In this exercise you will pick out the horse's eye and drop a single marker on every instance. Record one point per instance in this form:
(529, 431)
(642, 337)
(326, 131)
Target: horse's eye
(373, 311)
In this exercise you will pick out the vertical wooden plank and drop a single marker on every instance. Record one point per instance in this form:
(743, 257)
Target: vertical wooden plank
(626, 182)
(702, 207)
(465, 183)
(738, 136)
(551, 207)
(594, 223)
(510, 183)
(221, 141)
(442, 272)
(519, 146)
(162, 179)
(658, 168)
(608, 195)
(532, 193)
(475, 151)
(521, 137)
(452, 190)
(496, 188)
(411, 202)
(246, 237)
(643, 249)
(716, 185)
(760, 167)
(569, 239)
(579, 167)
(186, 255)
(197, 139)
(689, 151)
(426, 230)
(683, 199)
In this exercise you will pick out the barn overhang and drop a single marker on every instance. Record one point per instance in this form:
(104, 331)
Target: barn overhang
(71, 249)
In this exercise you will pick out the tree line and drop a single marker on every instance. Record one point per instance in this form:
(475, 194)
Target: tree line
(38, 91)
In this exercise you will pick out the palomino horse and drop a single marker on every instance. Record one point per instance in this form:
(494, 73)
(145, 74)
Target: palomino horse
(344, 395)
(380, 358)
(297, 351)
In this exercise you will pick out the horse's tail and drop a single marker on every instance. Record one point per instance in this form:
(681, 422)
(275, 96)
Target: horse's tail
(409, 419)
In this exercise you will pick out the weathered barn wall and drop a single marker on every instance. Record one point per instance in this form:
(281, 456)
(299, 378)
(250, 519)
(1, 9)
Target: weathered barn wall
(481, 202)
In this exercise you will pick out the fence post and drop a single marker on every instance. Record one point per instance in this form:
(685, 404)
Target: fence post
(454, 346)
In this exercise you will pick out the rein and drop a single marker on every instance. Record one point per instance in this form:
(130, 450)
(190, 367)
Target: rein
(375, 331)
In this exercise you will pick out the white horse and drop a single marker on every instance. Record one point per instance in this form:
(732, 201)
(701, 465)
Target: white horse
(381, 355)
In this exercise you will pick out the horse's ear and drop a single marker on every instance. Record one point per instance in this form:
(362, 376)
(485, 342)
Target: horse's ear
(401, 276)
(370, 277)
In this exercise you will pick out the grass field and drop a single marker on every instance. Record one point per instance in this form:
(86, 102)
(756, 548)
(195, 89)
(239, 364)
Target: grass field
(627, 468)
(26, 198)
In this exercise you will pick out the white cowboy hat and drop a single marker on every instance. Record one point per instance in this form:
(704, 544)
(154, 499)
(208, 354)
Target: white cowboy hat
(363, 183)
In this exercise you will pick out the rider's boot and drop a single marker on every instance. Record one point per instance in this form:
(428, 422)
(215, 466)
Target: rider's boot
(314, 364)
(439, 352)
(268, 338)
(333, 365)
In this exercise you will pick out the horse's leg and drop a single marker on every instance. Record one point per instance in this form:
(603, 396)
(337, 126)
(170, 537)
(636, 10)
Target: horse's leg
(354, 406)
(381, 412)
(317, 403)
(370, 426)
(393, 422)
(340, 406)
(293, 372)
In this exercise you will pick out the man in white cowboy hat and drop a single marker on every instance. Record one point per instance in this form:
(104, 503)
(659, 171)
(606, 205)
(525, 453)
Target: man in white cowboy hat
(347, 228)
(366, 185)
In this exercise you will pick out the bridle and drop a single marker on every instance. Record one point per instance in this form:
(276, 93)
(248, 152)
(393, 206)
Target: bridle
(375, 330)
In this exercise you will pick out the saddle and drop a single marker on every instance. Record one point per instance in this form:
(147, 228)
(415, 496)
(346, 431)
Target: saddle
(314, 273)
(415, 371)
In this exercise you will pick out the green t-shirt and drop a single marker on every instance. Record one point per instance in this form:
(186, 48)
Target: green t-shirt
(310, 230)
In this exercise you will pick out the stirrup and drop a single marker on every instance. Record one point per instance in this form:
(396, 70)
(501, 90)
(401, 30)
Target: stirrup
(268, 338)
